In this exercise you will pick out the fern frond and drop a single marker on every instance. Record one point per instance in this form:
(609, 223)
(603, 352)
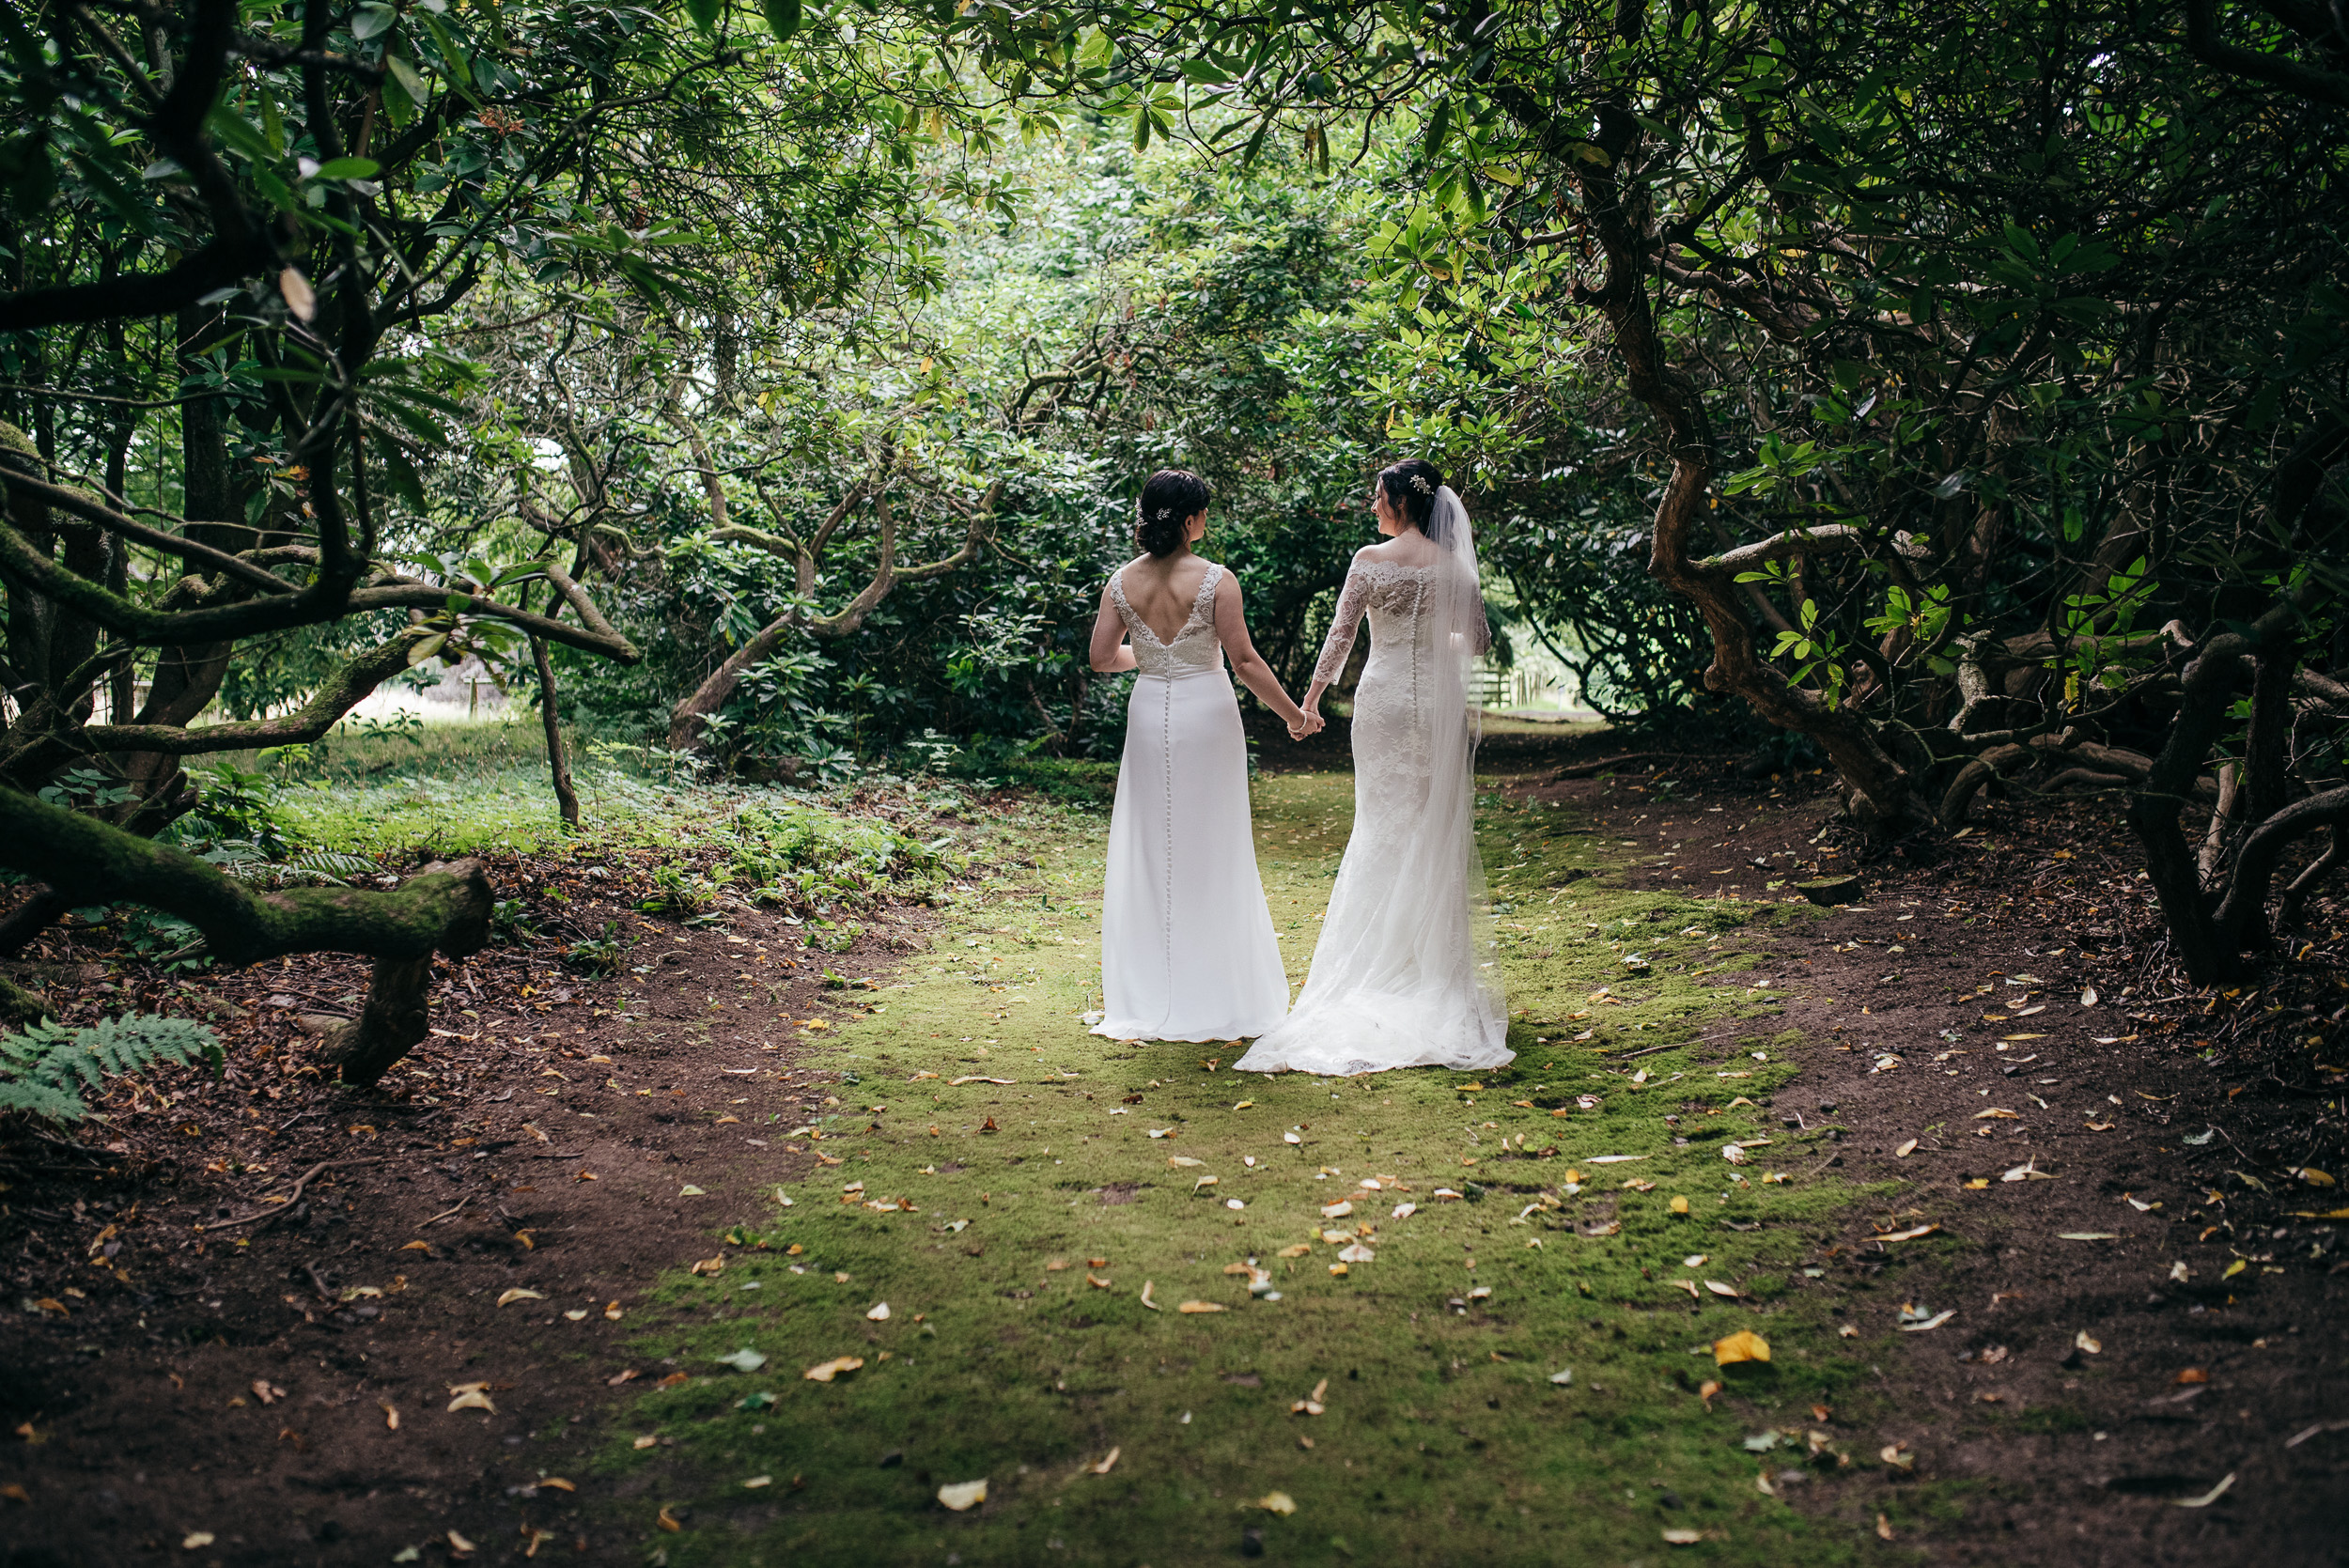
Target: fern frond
(47, 1067)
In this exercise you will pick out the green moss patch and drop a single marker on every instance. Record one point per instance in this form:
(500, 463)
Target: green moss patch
(1508, 1367)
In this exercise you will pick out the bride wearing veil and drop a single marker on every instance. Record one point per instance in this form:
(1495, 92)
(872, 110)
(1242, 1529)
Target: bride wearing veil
(1398, 977)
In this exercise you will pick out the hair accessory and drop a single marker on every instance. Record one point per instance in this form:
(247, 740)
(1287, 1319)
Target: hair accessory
(1165, 512)
(1419, 483)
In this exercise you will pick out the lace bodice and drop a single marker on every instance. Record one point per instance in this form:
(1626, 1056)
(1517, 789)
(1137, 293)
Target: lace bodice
(1195, 646)
(1392, 595)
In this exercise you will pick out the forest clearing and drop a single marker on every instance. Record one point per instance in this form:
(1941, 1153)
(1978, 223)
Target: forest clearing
(569, 614)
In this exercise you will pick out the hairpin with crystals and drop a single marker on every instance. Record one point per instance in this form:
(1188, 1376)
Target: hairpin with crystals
(1419, 483)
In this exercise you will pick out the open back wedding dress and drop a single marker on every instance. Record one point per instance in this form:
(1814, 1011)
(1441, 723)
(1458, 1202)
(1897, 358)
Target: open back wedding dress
(1187, 945)
(1399, 976)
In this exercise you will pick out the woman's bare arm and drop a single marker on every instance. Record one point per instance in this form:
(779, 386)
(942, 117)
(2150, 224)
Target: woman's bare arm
(1231, 629)
(1110, 654)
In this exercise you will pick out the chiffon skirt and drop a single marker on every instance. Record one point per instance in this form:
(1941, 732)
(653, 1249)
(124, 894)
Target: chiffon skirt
(1187, 945)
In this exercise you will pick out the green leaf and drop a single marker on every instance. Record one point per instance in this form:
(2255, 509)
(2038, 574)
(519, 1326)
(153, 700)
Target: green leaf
(705, 13)
(348, 168)
(453, 55)
(783, 18)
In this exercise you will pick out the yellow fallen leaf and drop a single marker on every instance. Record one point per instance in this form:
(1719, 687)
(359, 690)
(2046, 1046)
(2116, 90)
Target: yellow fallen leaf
(1743, 1345)
(667, 1520)
(1688, 1285)
(1680, 1205)
(1719, 1289)
(471, 1396)
(964, 1494)
(1145, 1297)
(709, 1266)
(559, 1483)
(1296, 1251)
(1184, 1162)
(824, 1372)
(1996, 1114)
(1905, 1150)
(1338, 1268)
(1275, 1502)
(1202, 1307)
(1884, 1528)
(518, 1294)
(2087, 1342)
(458, 1543)
(1104, 1466)
(2235, 1268)
(1682, 1536)
(391, 1414)
(196, 1539)
(1243, 1104)
(417, 1247)
(612, 1310)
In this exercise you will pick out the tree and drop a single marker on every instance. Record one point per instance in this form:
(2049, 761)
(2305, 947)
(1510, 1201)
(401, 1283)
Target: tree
(175, 180)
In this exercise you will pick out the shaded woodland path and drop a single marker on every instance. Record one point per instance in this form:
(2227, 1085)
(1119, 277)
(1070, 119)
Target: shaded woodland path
(241, 1383)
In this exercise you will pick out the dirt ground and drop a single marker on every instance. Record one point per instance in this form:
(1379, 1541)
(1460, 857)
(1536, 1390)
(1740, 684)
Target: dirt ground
(177, 1342)
(2002, 1012)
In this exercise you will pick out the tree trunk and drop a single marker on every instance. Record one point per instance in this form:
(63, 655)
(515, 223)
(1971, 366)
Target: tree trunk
(395, 1021)
(558, 765)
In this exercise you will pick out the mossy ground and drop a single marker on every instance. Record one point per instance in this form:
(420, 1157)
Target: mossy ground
(1017, 1348)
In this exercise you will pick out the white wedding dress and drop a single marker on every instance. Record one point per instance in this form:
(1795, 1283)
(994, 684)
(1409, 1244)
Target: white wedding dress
(1400, 976)
(1187, 945)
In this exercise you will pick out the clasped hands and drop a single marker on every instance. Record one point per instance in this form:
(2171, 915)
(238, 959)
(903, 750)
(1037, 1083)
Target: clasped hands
(1310, 724)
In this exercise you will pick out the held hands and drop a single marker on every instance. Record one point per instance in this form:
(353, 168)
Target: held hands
(1306, 722)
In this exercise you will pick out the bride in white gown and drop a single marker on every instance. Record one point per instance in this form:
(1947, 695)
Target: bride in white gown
(1399, 977)
(1187, 945)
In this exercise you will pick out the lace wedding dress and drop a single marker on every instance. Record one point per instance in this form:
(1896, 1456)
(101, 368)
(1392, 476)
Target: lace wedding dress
(1187, 945)
(1399, 976)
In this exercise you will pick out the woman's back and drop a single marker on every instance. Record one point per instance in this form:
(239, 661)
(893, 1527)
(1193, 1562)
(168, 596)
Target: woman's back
(1149, 596)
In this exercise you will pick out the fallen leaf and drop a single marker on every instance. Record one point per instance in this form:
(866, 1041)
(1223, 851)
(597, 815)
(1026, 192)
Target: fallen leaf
(458, 1543)
(1682, 1536)
(1145, 1297)
(1911, 1233)
(471, 1396)
(558, 1483)
(2088, 1236)
(2210, 1496)
(1884, 1528)
(2193, 1374)
(1706, 1389)
(667, 1520)
(709, 1266)
(1184, 1162)
(612, 1310)
(518, 1294)
(1338, 1210)
(1105, 1465)
(1923, 1323)
(1562, 1379)
(1296, 1251)
(417, 1247)
(1202, 1307)
(824, 1372)
(1743, 1345)
(744, 1359)
(1905, 1150)
(963, 1495)
(391, 1415)
(1719, 1289)
(266, 1392)
(1688, 1285)
(2027, 1171)
(1997, 1114)
(1275, 1502)
(196, 1539)
(1897, 1456)
(879, 1312)
(2087, 1342)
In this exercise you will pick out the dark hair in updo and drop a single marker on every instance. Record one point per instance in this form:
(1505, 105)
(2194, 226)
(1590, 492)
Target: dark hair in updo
(1171, 498)
(1411, 487)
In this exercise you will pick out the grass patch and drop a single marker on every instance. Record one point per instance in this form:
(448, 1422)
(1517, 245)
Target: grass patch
(1443, 1438)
